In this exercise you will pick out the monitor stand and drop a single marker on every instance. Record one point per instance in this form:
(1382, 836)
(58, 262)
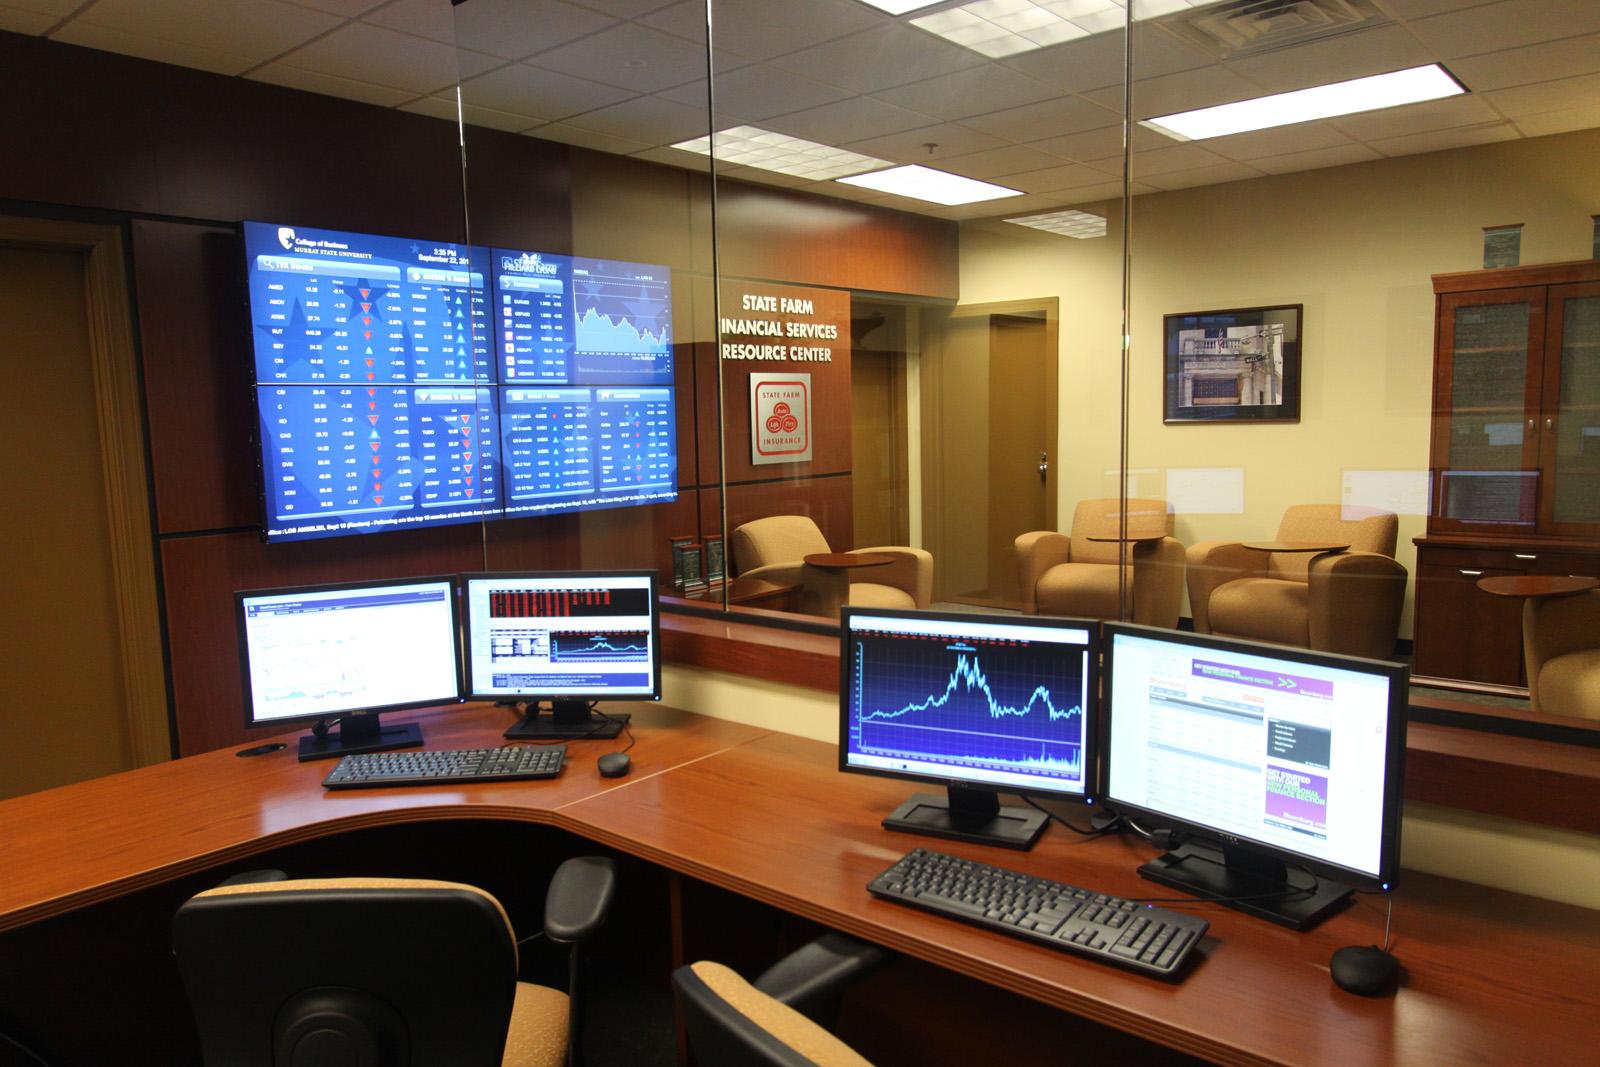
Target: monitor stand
(569, 720)
(968, 814)
(1214, 873)
(357, 733)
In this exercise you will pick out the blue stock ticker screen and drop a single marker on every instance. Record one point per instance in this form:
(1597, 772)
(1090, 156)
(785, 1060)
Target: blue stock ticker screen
(402, 382)
(973, 698)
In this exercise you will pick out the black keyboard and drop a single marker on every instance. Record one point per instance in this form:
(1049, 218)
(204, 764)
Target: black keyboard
(443, 766)
(1145, 938)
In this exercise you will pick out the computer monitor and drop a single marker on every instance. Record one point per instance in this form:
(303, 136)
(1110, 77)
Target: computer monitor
(982, 704)
(349, 651)
(1272, 757)
(570, 637)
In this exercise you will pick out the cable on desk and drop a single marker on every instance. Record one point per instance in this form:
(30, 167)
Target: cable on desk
(1053, 817)
(10, 1042)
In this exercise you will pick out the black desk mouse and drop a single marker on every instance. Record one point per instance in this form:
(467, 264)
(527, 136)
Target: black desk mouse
(614, 764)
(1364, 969)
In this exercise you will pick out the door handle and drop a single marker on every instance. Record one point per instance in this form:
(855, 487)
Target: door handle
(1044, 465)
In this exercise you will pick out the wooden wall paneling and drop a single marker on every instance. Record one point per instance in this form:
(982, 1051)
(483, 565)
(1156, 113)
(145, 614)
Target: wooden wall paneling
(519, 193)
(200, 575)
(827, 500)
(198, 366)
(628, 209)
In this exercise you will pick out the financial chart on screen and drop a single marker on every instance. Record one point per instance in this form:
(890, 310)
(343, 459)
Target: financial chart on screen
(983, 701)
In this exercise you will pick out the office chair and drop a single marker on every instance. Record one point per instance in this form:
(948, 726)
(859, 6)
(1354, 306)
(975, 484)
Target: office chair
(1349, 602)
(1561, 648)
(774, 547)
(784, 1018)
(376, 972)
(1069, 574)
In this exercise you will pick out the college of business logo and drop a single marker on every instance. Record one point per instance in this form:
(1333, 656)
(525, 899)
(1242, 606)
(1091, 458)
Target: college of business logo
(286, 238)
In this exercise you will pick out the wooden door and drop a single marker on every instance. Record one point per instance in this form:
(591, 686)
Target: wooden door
(1022, 438)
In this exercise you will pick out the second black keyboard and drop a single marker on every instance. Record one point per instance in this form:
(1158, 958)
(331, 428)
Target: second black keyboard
(444, 766)
(1148, 939)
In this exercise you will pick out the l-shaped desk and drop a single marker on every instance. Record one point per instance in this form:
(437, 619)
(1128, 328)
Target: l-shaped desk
(1489, 976)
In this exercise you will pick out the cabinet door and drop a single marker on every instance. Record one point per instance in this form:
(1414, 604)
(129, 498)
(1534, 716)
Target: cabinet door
(1570, 430)
(1486, 402)
(1463, 632)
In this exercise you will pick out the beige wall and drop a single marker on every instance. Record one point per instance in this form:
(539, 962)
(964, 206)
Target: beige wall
(1556, 864)
(1356, 245)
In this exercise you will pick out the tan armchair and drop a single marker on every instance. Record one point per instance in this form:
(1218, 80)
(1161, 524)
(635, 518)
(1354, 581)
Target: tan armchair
(1347, 602)
(1561, 646)
(774, 548)
(1069, 574)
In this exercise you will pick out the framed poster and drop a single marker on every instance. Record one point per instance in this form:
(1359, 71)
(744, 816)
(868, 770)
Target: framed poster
(1233, 366)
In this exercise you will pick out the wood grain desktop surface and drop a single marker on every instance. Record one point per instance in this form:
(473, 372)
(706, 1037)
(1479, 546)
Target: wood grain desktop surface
(1490, 977)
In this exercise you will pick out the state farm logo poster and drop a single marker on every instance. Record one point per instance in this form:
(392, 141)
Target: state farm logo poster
(780, 418)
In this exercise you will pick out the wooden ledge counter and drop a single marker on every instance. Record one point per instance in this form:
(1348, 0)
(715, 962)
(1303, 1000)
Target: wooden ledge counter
(1491, 977)
(65, 848)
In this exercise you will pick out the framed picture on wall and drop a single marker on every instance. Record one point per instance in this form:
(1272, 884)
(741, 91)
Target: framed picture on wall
(1233, 366)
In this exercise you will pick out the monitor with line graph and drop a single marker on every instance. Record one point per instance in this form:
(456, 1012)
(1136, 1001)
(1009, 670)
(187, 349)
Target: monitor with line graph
(982, 704)
(570, 637)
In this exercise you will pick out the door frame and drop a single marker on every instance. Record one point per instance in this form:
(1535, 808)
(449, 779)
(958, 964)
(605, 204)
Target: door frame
(1048, 308)
(119, 407)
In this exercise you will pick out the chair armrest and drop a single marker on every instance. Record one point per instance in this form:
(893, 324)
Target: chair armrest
(1211, 564)
(787, 573)
(813, 978)
(1354, 603)
(1038, 551)
(267, 874)
(579, 898)
(912, 571)
(1158, 582)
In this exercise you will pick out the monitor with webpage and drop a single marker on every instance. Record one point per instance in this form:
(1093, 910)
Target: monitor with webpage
(981, 704)
(570, 637)
(348, 652)
(1280, 766)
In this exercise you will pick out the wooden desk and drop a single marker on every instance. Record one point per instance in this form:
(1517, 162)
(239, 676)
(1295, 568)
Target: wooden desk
(1491, 977)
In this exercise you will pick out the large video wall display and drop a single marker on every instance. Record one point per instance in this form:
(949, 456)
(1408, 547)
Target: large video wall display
(403, 382)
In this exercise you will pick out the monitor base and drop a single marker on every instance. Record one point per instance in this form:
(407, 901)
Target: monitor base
(1219, 873)
(934, 815)
(536, 727)
(345, 743)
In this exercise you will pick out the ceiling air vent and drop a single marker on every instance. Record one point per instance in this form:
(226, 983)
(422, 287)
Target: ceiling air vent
(1244, 27)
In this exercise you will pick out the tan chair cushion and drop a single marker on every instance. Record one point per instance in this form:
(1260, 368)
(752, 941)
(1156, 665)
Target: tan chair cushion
(873, 595)
(1263, 609)
(777, 1018)
(1099, 518)
(1364, 529)
(1570, 684)
(776, 539)
(1083, 589)
(537, 1036)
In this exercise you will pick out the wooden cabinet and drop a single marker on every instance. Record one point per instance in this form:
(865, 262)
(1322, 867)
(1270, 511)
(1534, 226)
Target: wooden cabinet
(1515, 457)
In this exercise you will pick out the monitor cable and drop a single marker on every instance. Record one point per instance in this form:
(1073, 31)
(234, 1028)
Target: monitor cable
(1053, 817)
(7, 1041)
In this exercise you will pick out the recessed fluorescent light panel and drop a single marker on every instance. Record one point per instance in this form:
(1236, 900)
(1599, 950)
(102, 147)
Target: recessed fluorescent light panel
(1412, 86)
(751, 146)
(900, 7)
(998, 28)
(1079, 224)
(935, 186)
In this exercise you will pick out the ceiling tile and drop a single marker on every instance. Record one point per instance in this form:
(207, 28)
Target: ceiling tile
(1099, 144)
(344, 8)
(1155, 161)
(1549, 122)
(1048, 118)
(515, 29)
(911, 146)
(624, 9)
(1416, 118)
(892, 54)
(1012, 159)
(762, 29)
(973, 91)
(631, 56)
(420, 18)
(848, 120)
(1097, 62)
(384, 57)
(33, 23)
(1315, 159)
(58, 8)
(257, 30)
(1011, 205)
(1416, 9)
(1378, 50)
(525, 90)
(1535, 63)
(1547, 96)
(1508, 24)
(218, 60)
(558, 131)
(766, 177)
(1184, 91)
(1438, 140)
(494, 119)
(1090, 194)
(1278, 141)
(1211, 175)
(758, 92)
(647, 119)
(328, 85)
(435, 107)
(1054, 179)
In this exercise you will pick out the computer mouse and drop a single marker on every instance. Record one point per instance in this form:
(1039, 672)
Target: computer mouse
(1364, 969)
(614, 764)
